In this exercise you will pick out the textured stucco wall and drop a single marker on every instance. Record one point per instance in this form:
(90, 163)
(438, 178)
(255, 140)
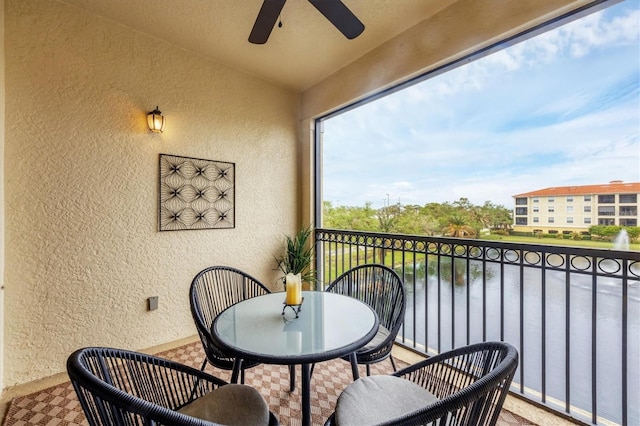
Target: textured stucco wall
(2, 97)
(81, 182)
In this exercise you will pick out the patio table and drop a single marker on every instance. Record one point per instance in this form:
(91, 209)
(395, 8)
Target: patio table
(328, 326)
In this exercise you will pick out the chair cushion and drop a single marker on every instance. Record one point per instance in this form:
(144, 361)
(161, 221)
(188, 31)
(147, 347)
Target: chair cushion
(230, 405)
(377, 340)
(377, 399)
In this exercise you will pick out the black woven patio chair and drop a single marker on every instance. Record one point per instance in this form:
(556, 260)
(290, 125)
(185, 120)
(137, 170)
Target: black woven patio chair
(212, 291)
(465, 386)
(382, 289)
(119, 387)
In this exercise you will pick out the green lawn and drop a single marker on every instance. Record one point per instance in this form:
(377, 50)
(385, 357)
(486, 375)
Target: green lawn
(557, 241)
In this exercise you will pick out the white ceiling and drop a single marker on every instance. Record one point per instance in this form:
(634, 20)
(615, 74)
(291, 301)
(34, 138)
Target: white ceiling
(306, 50)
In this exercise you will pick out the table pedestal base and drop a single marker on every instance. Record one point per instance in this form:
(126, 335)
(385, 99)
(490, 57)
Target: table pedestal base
(306, 383)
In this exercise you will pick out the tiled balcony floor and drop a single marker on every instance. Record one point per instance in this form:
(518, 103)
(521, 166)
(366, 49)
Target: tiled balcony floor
(58, 405)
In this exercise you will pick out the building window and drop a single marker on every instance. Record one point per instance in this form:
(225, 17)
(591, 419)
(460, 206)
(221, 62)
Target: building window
(521, 201)
(551, 209)
(569, 198)
(551, 199)
(606, 222)
(521, 211)
(628, 222)
(606, 199)
(569, 209)
(536, 219)
(536, 209)
(628, 211)
(521, 220)
(628, 198)
(587, 209)
(569, 220)
(587, 198)
(606, 211)
(550, 220)
(587, 221)
(535, 199)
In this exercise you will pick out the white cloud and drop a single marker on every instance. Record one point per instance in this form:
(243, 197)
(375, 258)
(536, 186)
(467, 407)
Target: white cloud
(521, 119)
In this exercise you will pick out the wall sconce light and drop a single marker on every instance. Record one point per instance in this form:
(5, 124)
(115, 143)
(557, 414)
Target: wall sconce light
(155, 121)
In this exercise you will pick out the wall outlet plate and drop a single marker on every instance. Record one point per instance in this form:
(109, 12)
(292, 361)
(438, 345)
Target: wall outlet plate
(152, 303)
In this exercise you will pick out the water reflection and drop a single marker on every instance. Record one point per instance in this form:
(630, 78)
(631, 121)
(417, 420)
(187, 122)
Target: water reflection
(562, 327)
(450, 272)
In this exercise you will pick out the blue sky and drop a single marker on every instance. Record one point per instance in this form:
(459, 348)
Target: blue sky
(559, 109)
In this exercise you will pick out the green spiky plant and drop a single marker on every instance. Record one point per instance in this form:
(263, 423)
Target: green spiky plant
(298, 256)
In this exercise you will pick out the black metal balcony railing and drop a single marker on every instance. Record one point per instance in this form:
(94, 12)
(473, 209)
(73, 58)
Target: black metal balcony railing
(573, 313)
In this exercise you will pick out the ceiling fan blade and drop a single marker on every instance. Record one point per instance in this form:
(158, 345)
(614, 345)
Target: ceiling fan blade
(340, 16)
(265, 21)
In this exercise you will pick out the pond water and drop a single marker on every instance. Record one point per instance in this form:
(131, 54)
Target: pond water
(563, 323)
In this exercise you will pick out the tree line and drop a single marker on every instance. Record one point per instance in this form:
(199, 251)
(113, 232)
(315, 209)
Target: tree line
(460, 218)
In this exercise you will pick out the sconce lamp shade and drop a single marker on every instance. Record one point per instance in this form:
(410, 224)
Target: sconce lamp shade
(155, 121)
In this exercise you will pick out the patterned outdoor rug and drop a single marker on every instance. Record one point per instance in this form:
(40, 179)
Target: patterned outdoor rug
(58, 405)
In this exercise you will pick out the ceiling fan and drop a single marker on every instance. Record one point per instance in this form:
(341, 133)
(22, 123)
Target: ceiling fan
(334, 10)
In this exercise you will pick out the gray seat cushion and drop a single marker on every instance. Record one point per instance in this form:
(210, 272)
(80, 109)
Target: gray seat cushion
(377, 399)
(230, 405)
(377, 340)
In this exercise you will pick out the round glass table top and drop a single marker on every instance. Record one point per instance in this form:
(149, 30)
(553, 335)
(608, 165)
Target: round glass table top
(328, 326)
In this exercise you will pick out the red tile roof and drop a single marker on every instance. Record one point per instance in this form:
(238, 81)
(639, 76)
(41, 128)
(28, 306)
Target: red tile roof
(614, 187)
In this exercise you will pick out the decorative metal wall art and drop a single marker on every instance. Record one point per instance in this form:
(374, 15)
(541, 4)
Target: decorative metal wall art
(196, 194)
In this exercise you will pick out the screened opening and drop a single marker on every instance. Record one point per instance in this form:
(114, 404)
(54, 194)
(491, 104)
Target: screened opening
(473, 135)
(452, 158)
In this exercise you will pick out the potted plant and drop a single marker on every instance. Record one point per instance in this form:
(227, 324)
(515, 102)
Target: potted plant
(297, 258)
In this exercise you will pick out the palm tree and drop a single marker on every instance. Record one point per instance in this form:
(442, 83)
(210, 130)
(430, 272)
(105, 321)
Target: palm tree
(458, 227)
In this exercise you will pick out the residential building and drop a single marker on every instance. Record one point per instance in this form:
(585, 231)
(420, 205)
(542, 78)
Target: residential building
(569, 209)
